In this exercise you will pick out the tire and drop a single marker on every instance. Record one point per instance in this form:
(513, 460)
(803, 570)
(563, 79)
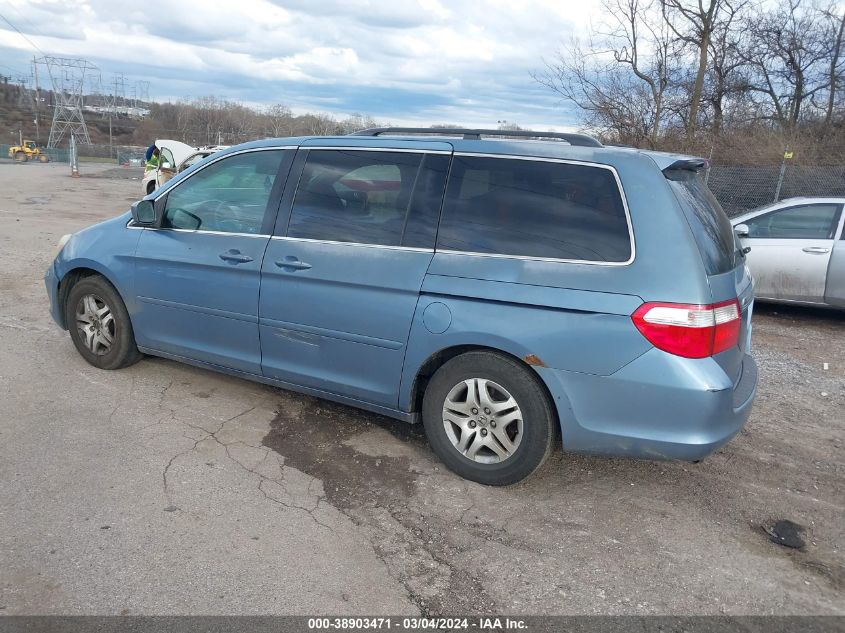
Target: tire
(21, 157)
(533, 421)
(43, 158)
(111, 342)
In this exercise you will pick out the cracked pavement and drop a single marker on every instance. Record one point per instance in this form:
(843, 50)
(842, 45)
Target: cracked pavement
(166, 489)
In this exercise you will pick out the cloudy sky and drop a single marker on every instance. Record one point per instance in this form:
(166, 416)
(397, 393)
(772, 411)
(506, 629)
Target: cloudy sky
(402, 61)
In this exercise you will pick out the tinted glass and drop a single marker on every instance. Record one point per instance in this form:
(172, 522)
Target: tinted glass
(534, 208)
(354, 196)
(230, 195)
(811, 221)
(421, 226)
(191, 160)
(710, 226)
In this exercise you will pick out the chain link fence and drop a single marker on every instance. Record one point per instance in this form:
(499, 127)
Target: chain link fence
(55, 155)
(124, 155)
(740, 188)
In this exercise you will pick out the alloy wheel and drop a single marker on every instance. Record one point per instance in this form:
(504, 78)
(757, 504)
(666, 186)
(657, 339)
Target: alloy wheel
(483, 421)
(96, 324)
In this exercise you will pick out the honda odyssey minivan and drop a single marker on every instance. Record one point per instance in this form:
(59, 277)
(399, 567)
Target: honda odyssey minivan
(498, 290)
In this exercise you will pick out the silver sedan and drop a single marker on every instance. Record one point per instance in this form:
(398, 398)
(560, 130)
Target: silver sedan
(797, 250)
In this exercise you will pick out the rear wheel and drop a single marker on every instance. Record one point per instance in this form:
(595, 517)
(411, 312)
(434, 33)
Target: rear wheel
(21, 157)
(43, 158)
(99, 324)
(488, 418)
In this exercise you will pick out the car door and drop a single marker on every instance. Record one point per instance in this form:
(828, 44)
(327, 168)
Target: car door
(166, 166)
(341, 278)
(197, 275)
(834, 291)
(790, 251)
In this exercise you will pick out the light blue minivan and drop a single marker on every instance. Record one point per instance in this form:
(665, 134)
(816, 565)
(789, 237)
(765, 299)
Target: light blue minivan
(496, 289)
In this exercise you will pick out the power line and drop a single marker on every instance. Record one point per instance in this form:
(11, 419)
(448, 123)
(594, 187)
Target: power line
(25, 19)
(33, 44)
(10, 68)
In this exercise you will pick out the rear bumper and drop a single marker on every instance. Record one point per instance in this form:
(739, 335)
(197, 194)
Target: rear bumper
(51, 281)
(657, 407)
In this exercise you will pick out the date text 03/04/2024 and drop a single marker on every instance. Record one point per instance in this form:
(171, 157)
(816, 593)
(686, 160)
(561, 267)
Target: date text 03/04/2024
(417, 624)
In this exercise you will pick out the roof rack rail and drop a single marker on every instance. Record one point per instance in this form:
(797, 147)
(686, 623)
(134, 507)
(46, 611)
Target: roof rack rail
(581, 140)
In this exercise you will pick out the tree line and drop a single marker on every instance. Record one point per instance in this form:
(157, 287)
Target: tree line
(724, 76)
(214, 121)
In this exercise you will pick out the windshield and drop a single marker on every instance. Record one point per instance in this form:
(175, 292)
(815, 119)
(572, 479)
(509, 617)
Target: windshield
(710, 226)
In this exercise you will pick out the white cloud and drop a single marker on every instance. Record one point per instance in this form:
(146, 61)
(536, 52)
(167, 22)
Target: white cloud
(462, 60)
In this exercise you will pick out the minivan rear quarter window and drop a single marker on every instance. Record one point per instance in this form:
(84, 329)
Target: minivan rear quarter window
(534, 208)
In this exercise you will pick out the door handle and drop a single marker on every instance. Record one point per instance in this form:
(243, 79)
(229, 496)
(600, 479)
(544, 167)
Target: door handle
(815, 249)
(292, 263)
(234, 256)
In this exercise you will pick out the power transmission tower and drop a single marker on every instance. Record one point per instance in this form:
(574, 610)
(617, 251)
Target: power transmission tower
(143, 91)
(23, 90)
(68, 79)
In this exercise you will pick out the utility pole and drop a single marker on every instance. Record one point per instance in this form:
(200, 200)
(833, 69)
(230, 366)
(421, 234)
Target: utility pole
(37, 101)
(787, 154)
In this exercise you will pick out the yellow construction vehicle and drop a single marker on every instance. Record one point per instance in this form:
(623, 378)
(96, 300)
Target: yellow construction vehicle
(28, 150)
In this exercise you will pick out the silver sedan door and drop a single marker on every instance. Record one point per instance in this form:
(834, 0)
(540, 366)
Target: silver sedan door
(790, 251)
(834, 292)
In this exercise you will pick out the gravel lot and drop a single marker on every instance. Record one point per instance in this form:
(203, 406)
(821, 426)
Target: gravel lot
(165, 489)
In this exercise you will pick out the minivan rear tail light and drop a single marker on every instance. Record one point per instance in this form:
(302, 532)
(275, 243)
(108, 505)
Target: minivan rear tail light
(691, 331)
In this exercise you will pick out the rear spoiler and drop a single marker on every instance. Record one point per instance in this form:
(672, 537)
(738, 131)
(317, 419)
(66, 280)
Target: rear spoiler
(686, 168)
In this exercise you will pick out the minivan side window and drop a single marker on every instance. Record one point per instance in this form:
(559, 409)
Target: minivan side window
(369, 197)
(808, 221)
(228, 196)
(534, 208)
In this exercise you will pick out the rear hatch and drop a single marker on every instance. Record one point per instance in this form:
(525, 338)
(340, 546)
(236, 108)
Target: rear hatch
(720, 252)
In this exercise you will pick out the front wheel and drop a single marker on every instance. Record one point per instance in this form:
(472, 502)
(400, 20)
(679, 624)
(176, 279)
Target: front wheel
(43, 158)
(99, 324)
(488, 418)
(21, 157)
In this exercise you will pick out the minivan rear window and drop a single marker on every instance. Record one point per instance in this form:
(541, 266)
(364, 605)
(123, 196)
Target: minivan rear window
(534, 208)
(710, 226)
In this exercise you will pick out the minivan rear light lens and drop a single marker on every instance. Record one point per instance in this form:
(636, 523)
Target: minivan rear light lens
(691, 331)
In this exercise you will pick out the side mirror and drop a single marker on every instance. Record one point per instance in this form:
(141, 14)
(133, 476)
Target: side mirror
(741, 230)
(166, 165)
(144, 213)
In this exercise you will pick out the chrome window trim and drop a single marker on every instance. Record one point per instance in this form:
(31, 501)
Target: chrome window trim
(285, 238)
(405, 150)
(559, 260)
(129, 225)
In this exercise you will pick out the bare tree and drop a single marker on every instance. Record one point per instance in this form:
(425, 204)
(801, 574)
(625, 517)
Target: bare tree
(788, 52)
(319, 124)
(726, 77)
(622, 79)
(279, 120)
(698, 19)
(837, 59)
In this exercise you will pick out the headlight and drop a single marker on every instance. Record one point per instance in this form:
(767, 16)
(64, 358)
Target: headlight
(65, 239)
